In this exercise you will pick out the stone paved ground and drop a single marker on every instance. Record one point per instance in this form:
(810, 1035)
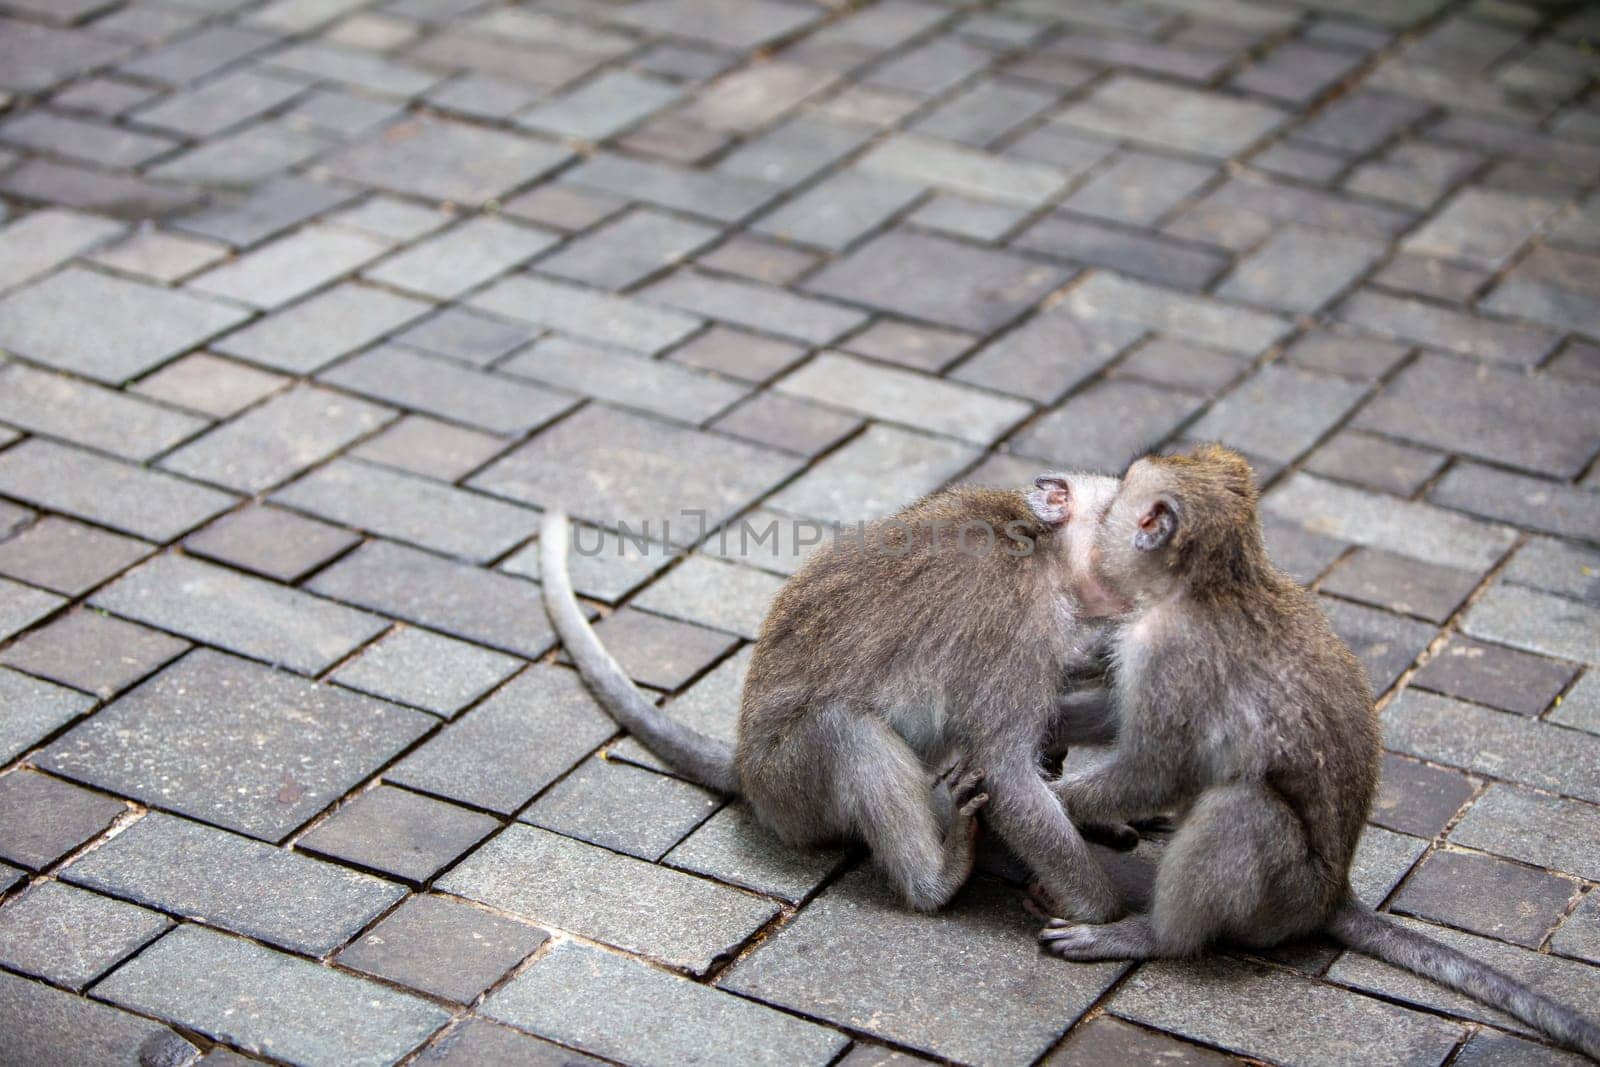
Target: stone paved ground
(309, 306)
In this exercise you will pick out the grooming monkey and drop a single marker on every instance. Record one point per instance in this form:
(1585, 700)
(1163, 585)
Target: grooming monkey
(886, 653)
(1242, 711)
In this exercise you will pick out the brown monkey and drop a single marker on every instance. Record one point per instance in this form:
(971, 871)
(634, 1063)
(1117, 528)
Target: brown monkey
(1241, 710)
(945, 629)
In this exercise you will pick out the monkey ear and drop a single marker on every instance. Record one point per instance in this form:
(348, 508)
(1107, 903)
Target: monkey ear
(1051, 499)
(1157, 525)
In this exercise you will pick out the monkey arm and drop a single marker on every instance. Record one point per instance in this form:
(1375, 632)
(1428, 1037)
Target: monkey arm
(1027, 816)
(1118, 789)
(1083, 716)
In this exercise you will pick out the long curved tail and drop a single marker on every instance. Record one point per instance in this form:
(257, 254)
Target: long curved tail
(705, 760)
(1361, 928)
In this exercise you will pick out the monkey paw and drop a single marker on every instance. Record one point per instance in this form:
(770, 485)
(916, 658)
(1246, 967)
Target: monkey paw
(1117, 835)
(1076, 941)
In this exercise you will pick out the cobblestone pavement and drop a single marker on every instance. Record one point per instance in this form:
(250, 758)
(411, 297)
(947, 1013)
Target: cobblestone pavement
(309, 306)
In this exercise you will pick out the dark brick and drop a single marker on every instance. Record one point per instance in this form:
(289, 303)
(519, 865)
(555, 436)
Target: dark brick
(1417, 798)
(71, 936)
(96, 653)
(1107, 1039)
(787, 423)
(1402, 585)
(443, 947)
(271, 542)
(1500, 677)
(1486, 895)
(401, 834)
(68, 556)
(478, 1042)
(1553, 507)
(1369, 460)
(623, 808)
(658, 652)
(44, 818)
(425, 670)
(1157, 259)
(1386, 644)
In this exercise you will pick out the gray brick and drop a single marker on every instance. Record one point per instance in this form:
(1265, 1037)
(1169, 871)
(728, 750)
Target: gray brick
(1419, 799)
(1384, 465)
(1536, 622)
(34, 1016)
(1409, 528)
(94, 190)
(1456, 888)
(930, 68)
(414, 510)
(271, 542)
(660, 653)
(750, 98)
(205, 383)
(666, 1017)
(759, 259)
(1106, 1039)
(1185, 119)
(427, 671)
(1551, 975)
(915, 158)
(235, 883)
(1353, 357)
(1541, 830)
(279, 439)
(1195, 319)
(671, 468)
(320, 61)
(1240, 1006)
(1489, 1047)
(1106, 425)
(483, 96)
(1287, 160)
(603, 565)
(628, 249)
(623, 808)
(877, 473)
(922, 347)
(1049, 354)
(1138, 188)
(636, 906)
(21, 606)
(431, 448)
(453, 598)
(134, 327)
(586, 313)
(712, 195)
(159, 255)
(92, 652)
(879, 973)
(192, 57)
(236, 97)
(602, 107)
(311, 334)
(401, 834)
(1455, 331)
(1516, 747)
(266, 209)
(626, 379)
(1387, 645)
(1580, 933)
(247, 615)
(1279, 412)
(443, 947)
(1532, 502)
(1300, 270)
(467, 336)
(1280, 202)
(290, 266)
(77, 411)
(423, 158)
(34, 710)
(1580, 707)
(1176, 365)
(965, 217)
(1156, 259)
(84, 140)
(903, 396)
(937, 280)
(736, 354)
(733, 846)
(713, 593)
(477, 1042)
(486, 759)
(211, 983)
(1481, 226)
(794, 150)
(1401, 585)
(837, 211)
(1499, 677)
(45, 818)
(71, 937)
(987, 111)
(740, 26)
(37, 243)
(140, 501)
(756, 306)
(390, 217)
(246, 156)
(1547, 564)
(408, 379)
(450, 263)
(1554, 287)
(1382, 859)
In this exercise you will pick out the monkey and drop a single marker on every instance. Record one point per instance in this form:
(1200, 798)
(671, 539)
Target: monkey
(945, 629)
(1241, 711)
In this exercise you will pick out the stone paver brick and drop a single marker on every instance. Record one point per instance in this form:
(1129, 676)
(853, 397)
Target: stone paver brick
(1279, 412)
(35, 1016)
(1417, 798)
(209, 384)
(665, 1019)
(281, 897)
(601, 107)
(1536, 622)
(450, 263)
(1493, 675)
(837, 211)
(587, 313)
(136, 500)
(96, 653)
(1300, 270)
(34, 710)
(628, 249)
(36, 244)
(604, 565)
(1439, 327)
(44, 818)
(1555, 567)
(280, 438)
(875, 474)
(931, 161)
(623, 808)
(74, 410)
(477, 1041)
(211, 983)
(623, 378)
(426, 670)
(444, 947)
(70, 936)
(21, 606)
(307, 336)
(467, 336)
(712, 195)
(84, 140)
(733, 846)
(159, 255)
(270, 542)
(1138, 188)
(1106, 425)
(680, 920)
(1537, 503)
(1208, 124)
(1542, 830)
(759, 307)
(400, 834)
(135, 326)
(1579, 935)
(289, 266)
(737, 354)
(1487, 896)
(1156, 259)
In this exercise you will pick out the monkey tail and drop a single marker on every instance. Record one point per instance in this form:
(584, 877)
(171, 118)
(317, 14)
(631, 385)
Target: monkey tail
(699, 758)
(1359, 927)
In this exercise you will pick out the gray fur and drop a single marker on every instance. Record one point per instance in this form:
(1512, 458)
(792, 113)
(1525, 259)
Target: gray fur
(881, 660)
(1244, 713)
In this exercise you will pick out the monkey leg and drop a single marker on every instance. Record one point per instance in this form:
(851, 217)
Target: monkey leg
(1235, 870)
(1028, 817)
(885, 791)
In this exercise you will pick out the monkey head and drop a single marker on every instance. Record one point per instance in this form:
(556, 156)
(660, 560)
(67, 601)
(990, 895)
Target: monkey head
(1180, 522)
(1070, 505)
